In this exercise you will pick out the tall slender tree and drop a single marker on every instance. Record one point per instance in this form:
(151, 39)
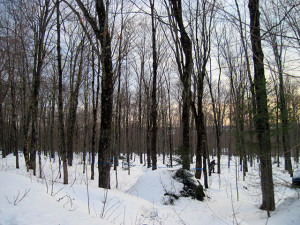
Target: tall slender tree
(75, 82)
(204, 15)
(102, 33)
(185, 77)
(154, 84)
(261, 116)
(276, 40)
(62, 144)
(46, 10)
(95, 98)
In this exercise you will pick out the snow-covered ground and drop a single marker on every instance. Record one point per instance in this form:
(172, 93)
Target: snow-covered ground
(139, 197)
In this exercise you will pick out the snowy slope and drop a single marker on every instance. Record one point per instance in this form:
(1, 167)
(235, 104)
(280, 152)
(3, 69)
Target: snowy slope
(37, 207)
(139, 197)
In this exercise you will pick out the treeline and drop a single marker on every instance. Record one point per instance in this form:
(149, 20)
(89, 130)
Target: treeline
(105, 78)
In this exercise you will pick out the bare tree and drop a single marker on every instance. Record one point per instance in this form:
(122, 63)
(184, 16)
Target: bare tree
(237, 74)
(276, 40)
(154, 84)
(11, 67)
(143, 95)
(204, 15)
(102, 33)
(75, 82)
(261, 116)
(62, 143)
(218, 99)
(185, 66)
(45, 12)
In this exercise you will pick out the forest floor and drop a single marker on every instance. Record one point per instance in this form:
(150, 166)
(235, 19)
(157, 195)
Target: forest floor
(139, 197)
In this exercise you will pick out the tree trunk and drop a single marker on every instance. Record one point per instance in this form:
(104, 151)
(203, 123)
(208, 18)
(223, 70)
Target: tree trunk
(25, 119)
(148, 138)
(261, 117)
(95, 109)
(127, 146)
(13, 135)
(86, 108)
(73, 102)
(102, 33)
(283, 110)
(199, 153)
(106, 99)
(153, 97)
(62, 145)
(118, 113)
(140, 115)
(170, 129)
(186, 45)
(39, 56)
(52, 119)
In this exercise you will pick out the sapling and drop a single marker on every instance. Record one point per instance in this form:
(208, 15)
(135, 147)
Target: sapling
(17, 199)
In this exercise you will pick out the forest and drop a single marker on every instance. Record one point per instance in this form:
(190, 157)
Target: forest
(108, 80)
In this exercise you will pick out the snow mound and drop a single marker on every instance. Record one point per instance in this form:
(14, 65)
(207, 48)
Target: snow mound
(153, 185)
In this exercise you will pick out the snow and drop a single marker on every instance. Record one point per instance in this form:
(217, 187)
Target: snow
(297, 173)
(139, 197)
